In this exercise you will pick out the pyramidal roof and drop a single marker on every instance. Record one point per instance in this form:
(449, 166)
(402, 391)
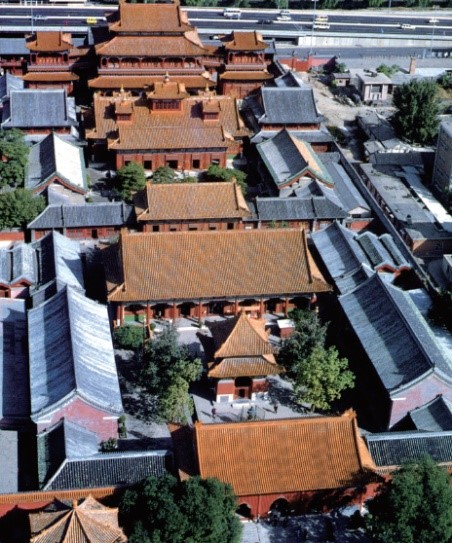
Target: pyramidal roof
(89, 522)
(241, 336)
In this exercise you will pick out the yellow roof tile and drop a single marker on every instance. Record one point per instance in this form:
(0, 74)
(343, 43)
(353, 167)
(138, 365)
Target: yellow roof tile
(189, 201)
(215, 264)
(245, 41)
(271, 457)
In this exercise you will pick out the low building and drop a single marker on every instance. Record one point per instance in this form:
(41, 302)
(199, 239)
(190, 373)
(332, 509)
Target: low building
(434, 416)
(13, 55)
(84, 221)
(9, 82)
(309, 213)
(17, 271)
(372, 86)
(351, 258)
(421, 220)
(190, 206)
(442, 172)
(241, 357)
(390, 450)
(54, 161)
(290, 463)
(200, 273)
(404, 365)
(72, 365)
(40, 112)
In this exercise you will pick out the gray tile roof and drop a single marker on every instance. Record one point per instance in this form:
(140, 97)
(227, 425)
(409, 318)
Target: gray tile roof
(395, 448)
(288, 105)
(71, 354)
(434, 416)
(88, 215)
(397, 339)
(59, 259)
(9, 474)
(311, 136)
(63, 440)
(17, 264)
(54, 156)
(344, 252)
(13, 46)
(285, 209)
(347, 193)
(289, 79)
(14, 380)
(113, 469)
(39, 109)
(9, 82)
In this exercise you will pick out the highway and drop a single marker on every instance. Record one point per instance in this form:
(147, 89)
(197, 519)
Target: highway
(208, 20)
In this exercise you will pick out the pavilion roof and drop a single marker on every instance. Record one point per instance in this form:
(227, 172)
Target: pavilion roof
(245, 366)
(245, 41)
(184, 45)
(50, 41)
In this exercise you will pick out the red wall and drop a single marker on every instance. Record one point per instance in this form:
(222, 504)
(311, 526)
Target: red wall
(79, 412)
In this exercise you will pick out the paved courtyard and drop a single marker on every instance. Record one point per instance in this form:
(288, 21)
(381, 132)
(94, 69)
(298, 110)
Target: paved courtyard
(303, 529)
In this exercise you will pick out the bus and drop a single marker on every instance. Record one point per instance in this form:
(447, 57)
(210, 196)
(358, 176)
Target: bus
(232, 13)
(321, 19)
(321, 26)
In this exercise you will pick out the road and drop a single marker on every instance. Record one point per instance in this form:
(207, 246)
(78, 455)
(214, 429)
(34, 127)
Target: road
(212, 19)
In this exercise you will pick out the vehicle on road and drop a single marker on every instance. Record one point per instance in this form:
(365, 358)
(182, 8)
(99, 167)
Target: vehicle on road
(406, 26)
(321, 18)
(91, 20)
(232, 13)
(284, 18)
(321, 26)
(433, 21)
(265, 21)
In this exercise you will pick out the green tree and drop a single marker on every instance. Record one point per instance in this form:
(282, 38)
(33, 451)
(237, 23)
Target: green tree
(164, 174)
(13, 158)
(322, 377)
(388, 70)
(441, 310)
(129, 179)
(416, 118)
(168, 371)
(415, 507)
(308, 334)
(217, 173)
(128, 337)
(19, 207)
(194, 511)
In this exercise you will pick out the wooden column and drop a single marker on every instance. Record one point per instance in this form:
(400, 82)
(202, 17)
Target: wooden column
(148, 313)
(200, 311)
(236, 308)
(174, 312)
(261, 307)
(286, 306)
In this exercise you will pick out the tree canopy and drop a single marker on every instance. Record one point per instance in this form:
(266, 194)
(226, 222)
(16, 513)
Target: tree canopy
(161, 510)
(168, 371)
(217, 173)
(416, 118)
(19, 207)
(13, 158)
(165, 174)
(415, 507)
(129, 179)
(319, 374)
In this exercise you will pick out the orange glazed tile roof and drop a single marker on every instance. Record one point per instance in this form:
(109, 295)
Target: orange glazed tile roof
(89, 522)
(213, 264)
(50, 41)
(240, 336)
(246, 76)
(245, 41)
(245, 366)
(291, 455)
(148, 18)
(141, 81)
(190, 201)
(167, 89)
(50, 76)
(149, 46)
(167, 130)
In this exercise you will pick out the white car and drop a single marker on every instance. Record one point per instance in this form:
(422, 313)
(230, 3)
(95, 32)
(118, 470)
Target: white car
(407, 26)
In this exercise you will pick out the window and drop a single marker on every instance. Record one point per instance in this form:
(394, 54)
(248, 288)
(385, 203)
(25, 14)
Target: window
(155, 228)
(196, 164)
(192, 227)
(147, 164)
(174, 164)
(230, 226)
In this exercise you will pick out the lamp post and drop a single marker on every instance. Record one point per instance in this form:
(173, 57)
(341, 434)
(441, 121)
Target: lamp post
(312, 28)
